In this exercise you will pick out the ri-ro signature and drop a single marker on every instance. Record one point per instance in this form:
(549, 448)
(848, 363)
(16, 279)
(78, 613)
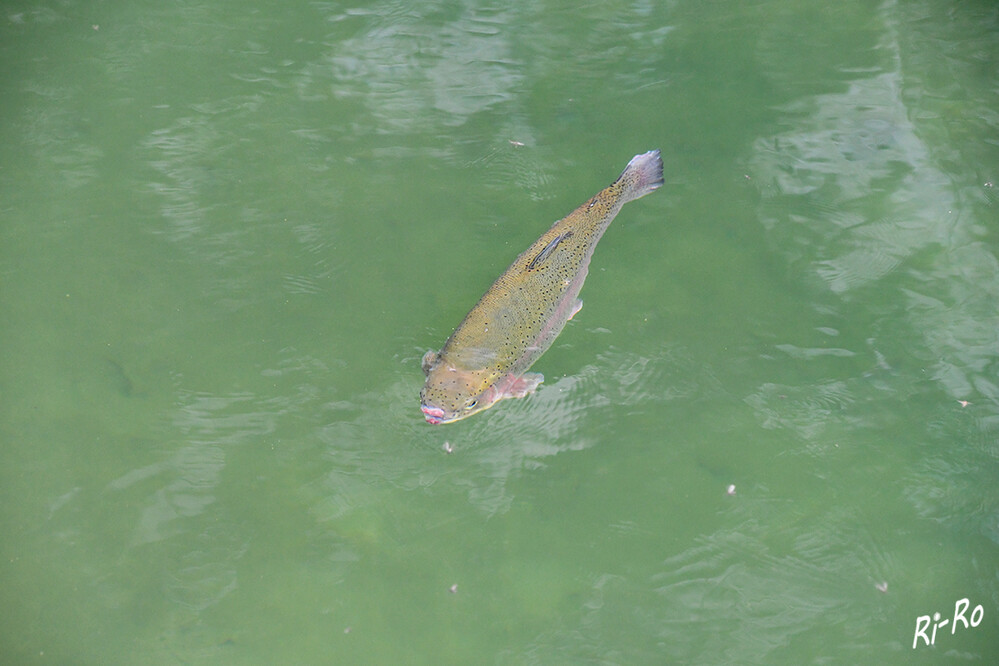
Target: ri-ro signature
(926, 623)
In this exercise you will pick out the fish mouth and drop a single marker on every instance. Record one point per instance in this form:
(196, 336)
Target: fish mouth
(433, 415)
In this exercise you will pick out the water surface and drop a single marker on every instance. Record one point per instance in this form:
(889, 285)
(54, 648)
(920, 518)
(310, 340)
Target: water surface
(230, 231)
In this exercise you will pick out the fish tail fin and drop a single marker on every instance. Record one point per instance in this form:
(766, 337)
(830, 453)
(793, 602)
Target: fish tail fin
(643, 174)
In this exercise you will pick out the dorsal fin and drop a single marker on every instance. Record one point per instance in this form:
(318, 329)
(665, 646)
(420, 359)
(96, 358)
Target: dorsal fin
(548, 249)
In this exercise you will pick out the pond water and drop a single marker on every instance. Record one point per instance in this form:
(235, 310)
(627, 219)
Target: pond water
(231, 230)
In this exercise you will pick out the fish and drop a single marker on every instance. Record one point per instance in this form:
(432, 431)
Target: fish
(488, 355)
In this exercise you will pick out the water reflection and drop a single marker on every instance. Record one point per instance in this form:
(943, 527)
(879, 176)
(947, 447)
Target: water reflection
(853, 145)
(204, 574)
(857, 181)
(178, 497)
(885, 191)
(400, 62)
(60, 140)
(182, 155)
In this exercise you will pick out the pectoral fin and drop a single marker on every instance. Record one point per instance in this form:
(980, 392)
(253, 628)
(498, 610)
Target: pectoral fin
(523, 385)
(428, 361)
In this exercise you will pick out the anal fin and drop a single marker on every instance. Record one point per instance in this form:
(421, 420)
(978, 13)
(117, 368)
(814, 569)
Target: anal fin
(576, 307)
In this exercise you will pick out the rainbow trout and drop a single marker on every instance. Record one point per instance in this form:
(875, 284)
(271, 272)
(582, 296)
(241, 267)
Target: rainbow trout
(487, 357)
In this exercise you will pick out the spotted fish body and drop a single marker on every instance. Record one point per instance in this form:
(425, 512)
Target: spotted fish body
(487, 357)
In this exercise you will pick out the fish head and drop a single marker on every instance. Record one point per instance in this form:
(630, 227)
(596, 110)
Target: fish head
(451, 393)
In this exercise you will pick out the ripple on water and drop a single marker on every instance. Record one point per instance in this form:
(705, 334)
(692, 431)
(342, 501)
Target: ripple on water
(757, 582)
(378, 440)
(804, 410)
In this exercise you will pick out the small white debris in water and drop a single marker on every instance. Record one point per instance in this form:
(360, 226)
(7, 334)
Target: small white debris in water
(453, 588)
(963, 403)
(882, 586)
(346, 630)
(516, 143)
(731, 489)
(448, 448)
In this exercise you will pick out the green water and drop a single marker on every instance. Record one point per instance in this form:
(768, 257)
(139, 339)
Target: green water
(229, 231)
